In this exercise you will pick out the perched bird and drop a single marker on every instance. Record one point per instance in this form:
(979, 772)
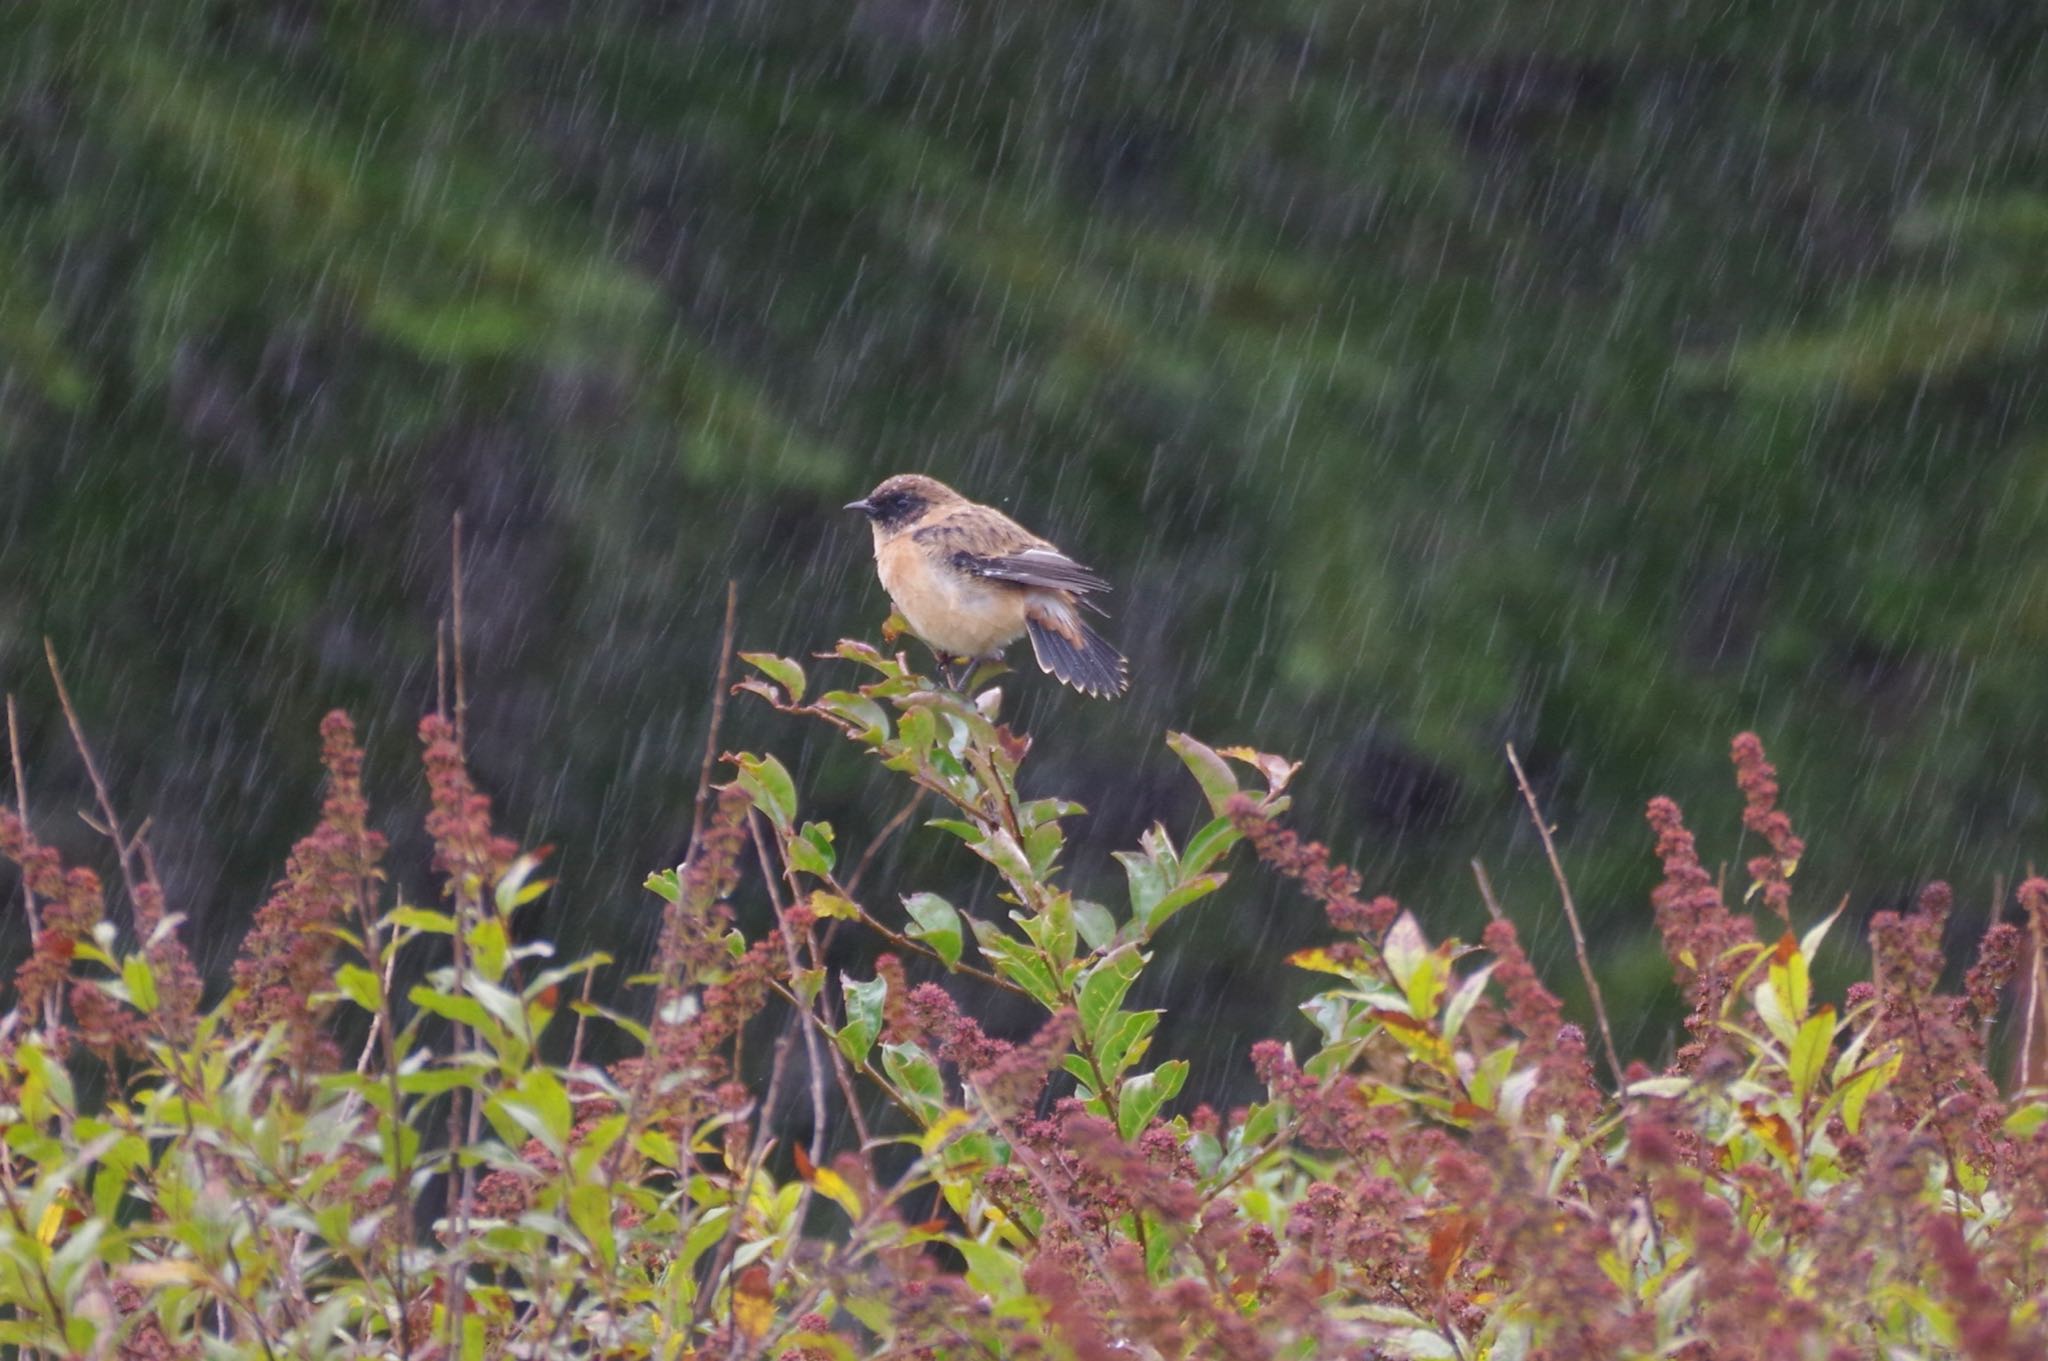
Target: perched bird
(970, 581)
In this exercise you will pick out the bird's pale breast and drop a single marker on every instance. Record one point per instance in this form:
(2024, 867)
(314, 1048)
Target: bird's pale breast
(949, 609)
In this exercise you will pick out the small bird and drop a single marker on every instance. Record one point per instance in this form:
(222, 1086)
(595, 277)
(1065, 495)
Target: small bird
(970, 581)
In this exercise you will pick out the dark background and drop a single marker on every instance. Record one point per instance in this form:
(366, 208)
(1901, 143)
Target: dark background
(1601, 377)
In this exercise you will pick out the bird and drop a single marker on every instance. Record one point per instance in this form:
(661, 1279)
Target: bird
(970, 581)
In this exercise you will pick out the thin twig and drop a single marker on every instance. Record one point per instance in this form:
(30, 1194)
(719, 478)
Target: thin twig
(441, 665)
(28, 895)
(1486, 891)
(732, 597)
(122, 847)
(582, 1019)
(636, 1096)
(727, 1245)
(1571, 912)
(455, 591)
(882, 838)
(2033, 1005)
(813, 1050)
(462, 1132)
(813, 1046)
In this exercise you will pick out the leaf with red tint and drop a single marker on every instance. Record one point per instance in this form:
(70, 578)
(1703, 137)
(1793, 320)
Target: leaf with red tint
(753, 1302)
(1771, 1128)
(1398, 1020)
(1447, 1244)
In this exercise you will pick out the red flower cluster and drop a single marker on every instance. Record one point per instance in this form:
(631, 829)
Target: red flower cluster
(288, 952)
(1758, 780)
(1696, 926)
(1336, 887)
(460, 820)
(73, 904)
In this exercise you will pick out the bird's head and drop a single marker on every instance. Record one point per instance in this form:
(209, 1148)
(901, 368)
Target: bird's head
(900, 500)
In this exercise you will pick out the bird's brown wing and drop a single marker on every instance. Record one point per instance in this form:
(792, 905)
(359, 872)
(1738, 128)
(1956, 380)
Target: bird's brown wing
(988, 544)
(1033, 567)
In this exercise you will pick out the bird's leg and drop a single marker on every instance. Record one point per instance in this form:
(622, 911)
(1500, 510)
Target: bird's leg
(980, 671)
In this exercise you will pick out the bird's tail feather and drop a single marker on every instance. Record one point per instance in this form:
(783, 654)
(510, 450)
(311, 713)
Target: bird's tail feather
(1077, 654)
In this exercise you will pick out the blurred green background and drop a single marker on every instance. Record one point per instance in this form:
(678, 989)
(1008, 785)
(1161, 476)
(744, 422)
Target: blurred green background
(1602, 377)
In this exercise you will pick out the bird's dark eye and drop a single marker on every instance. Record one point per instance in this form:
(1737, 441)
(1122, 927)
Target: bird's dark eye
(893, 507)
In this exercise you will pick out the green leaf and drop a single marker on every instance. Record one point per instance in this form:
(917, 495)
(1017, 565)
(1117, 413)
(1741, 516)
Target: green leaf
(538, 1107)
(1000, 849)
(781, 670)
(1201, 886)
(1810, 1051)
(463, 1010)
(1790, 980)
(1425, 986)
(1042, 845)
(1463, 1000)
(992, 1270)
(489, 948)
(1052, 930)
(917, 730)
(360, 986)
(590, 1210)
(917, 1077)
(434, 1081)
(1211, 771)
(869, 719)
(421, 919)
(141, 982)
(1404, 949)
(1141, 1097)
(1095, 923)
(810, 850)
(768, 782)
(517, 887)
(1858, 1090)
(1148, 882)
(1019, 962)
(504, 1006)
(1492, 1074)
(863, 1015)
(828, 905)
(637, 1029)
(544, 1092)
(2022, 1123)
(1103, 986)
(934, 921)
(1209, 844)
(1126, 1039)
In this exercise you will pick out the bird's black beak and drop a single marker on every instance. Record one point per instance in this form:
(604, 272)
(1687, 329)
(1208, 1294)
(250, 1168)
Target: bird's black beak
(864, 506)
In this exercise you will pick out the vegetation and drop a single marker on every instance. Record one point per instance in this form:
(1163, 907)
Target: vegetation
(1442, 1171)
(1426, 377)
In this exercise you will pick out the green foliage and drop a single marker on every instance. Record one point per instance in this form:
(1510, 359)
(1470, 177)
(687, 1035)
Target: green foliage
(1428, 374)
(1441, 1177)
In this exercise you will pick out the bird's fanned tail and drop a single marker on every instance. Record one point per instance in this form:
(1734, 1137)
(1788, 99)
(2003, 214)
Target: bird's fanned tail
(1066, 647)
